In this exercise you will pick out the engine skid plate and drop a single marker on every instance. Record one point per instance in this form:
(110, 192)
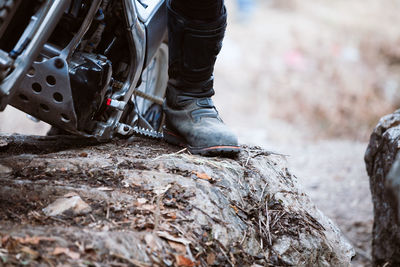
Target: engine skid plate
(45, 93)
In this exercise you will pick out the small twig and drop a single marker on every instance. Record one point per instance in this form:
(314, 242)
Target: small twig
(247, 161)
(208, 215)
(108, 211)
(269, 152)
(244, 237)
(264, 232)
(268, 222)
(223, 252)
(241, 199)
(131, 261)
(57, 219)
(157, 213)
(277, 219)
(178, 220)
(248, 158)
(240, 182)
(262, 192)
(261, 230)
(178, 229)
(298, 252)
(189, 252)
(253, 187)
(168, 155)
(91, 217)
(181, 151)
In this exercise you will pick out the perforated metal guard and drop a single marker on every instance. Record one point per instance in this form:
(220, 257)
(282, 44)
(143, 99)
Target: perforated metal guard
(45, 93)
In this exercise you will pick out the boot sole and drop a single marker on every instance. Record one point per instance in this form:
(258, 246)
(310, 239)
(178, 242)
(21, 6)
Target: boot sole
(222, 150)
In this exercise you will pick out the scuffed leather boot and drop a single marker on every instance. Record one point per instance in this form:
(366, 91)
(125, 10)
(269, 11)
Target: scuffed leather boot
(194, 123)
(192, 120)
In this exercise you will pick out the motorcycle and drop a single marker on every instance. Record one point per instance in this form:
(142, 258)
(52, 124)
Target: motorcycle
(93, 68)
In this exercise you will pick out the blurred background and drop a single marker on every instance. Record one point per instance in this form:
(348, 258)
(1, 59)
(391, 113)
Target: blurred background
(308, 79)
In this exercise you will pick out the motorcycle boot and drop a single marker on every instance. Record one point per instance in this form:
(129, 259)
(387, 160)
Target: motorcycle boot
(191, 119)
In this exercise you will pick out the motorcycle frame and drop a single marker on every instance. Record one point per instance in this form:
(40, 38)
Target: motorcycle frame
(138, 20)
(51, 14)
(146, 24)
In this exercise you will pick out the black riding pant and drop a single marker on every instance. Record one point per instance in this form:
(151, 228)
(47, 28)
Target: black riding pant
(196, 29)
(203, 10)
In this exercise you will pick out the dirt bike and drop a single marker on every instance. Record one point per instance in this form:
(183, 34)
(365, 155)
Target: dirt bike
(93, 68)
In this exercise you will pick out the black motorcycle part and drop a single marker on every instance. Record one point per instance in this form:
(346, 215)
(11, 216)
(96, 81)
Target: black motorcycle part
(154, 116)
(18, 24)
(89, 82)
(156, 31)
(76, 6)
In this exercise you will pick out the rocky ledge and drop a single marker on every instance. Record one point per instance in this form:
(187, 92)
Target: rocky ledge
(140, 202)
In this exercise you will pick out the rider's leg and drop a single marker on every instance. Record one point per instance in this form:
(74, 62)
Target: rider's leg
(204, 10)
(196, 30)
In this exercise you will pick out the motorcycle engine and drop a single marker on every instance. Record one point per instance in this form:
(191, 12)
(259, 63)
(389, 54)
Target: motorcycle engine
(90, 77)
(100, 55)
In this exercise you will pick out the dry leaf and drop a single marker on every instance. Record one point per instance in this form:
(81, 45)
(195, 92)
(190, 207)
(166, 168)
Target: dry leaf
(147, 207)
(33, 254)
(183, 261)
(73, 255)
(4, 170)
(70, 202)
(210, 259)
(125, 184)
(167, 236)
(70, 194)
(171, 215)
(10, 244)
(141, 201)
(203, 176)
(235, 208)
(4, 240)
(83, 154)
(161, 191)
(34, 240)
(58, 251)
(177, 246)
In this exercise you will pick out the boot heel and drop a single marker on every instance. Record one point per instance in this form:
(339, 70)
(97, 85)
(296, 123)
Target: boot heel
(172, 138)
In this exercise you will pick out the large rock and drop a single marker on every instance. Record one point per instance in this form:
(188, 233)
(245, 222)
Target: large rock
(393, 186)
(151, 205)
(381, 153)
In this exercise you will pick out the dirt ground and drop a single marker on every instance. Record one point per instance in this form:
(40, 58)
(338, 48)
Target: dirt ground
(310, 79)
(140, 202)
